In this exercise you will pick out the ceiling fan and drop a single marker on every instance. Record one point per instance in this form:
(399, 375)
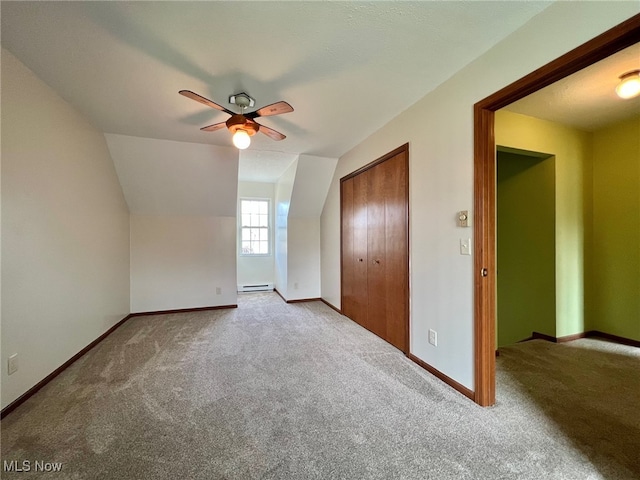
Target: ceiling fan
(242, 125)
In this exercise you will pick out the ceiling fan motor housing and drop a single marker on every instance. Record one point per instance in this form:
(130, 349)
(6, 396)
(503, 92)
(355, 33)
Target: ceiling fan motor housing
(239, 121)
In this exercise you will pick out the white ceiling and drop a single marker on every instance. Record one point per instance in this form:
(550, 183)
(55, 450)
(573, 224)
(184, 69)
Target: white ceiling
(586, 99)
(346, 67)
(263, 166)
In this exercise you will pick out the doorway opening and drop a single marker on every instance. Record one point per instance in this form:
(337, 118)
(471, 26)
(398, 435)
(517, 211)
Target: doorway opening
(485, 281)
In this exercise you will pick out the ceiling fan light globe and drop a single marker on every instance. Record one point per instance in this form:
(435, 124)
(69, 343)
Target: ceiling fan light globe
(241, 139)
(629, 85)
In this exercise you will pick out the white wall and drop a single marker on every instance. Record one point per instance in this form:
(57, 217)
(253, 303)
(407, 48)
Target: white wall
(65, 231)
(283, 190)
(254, 270)
(312, 180)
(439, 129)
(183, 202)
(303, 273)
(180, 261)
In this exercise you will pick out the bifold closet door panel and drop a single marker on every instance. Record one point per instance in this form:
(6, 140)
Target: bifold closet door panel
(396, 234)
(377, 265)
(348, 266)
(360, 250)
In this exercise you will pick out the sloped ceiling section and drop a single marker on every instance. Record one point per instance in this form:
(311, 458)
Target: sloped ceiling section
(262, 166)
(164, 177)
(347, 68)
(313, 178)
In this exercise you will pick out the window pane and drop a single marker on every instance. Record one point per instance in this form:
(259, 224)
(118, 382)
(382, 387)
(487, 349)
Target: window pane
(254, 227)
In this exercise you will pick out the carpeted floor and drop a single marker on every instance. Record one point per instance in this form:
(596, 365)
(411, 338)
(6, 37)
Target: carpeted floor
(295, 391)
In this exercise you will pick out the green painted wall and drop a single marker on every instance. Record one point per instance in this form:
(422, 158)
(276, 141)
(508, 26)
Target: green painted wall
(614, 275)
(572, 151)
(526, 246)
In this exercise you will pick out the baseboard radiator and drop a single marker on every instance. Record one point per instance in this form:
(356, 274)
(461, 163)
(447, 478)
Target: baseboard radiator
(264, 287)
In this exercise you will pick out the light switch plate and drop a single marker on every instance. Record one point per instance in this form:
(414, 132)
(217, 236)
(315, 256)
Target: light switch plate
(465, 246)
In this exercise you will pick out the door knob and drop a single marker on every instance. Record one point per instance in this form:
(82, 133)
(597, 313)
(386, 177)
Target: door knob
(360, 260)
(376, 261)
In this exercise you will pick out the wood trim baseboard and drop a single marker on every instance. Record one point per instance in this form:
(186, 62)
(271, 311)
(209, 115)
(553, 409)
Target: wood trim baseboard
(571, 338)
(29, 393)
(446, 379)
(587, 334)
(540, 336)
(613, 338)
(183, 310)
(303, 300)
(331, 306)
(280, 295)
(299, 300)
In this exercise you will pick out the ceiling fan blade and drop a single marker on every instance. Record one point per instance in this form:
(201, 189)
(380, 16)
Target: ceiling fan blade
(277, 108)
(271, 133)
(204, 101)
(214, 127)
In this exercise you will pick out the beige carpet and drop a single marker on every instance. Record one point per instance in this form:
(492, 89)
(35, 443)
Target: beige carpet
(277, 391)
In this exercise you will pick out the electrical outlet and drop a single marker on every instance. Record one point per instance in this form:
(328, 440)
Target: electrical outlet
(433, 337)
(13, 364)
(218, 291)
(295, 286)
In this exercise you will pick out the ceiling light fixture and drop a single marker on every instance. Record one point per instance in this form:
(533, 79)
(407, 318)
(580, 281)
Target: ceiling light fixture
(241, 139)
(629, 85)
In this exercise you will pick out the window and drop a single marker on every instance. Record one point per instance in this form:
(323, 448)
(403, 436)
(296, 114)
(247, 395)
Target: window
(254, 227)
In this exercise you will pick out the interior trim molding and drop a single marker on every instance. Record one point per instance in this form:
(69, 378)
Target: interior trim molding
(299, 300)
(445, 378)
(280, 295)
(303, 300)
(29, 393)
(614, 338)
(484, 263)
(331, 306)
(183, 310)
(587, 334)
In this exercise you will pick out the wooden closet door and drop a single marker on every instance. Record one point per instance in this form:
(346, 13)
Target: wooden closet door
(360, 251)
(396, 250)
(354, 249)
(376, 244)
(348, 265)
(375, 247)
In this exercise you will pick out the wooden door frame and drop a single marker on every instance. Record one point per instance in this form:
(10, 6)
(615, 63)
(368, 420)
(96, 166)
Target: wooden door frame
(618, 38)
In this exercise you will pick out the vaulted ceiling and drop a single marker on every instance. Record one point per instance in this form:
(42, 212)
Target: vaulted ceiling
(346, 67)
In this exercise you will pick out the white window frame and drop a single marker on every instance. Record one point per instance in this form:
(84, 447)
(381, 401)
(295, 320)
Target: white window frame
(242, 227)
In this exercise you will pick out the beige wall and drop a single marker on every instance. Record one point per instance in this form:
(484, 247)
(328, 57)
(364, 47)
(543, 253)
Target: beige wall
(439, 130)
(181, 261)
(65, 231)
